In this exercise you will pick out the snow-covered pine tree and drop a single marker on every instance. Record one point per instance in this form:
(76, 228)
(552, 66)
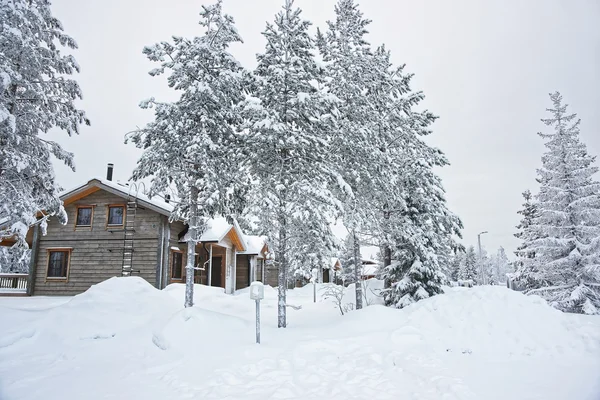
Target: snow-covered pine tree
(567, 258)
(349, 65)
(193, 144)
(469, 268)
(346, 256)
(526, 268)
(499, 267)
(36, 95)
(486, 264)
(311, 246)
(455, 265)
(412, 213)
(14, 259)
(289, 138)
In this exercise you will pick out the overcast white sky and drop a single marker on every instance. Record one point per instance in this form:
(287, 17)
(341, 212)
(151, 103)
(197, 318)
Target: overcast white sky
(486, 68)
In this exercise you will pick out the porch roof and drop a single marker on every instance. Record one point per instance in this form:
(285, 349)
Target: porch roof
(334, 263)
(218, 229)
(255, 245)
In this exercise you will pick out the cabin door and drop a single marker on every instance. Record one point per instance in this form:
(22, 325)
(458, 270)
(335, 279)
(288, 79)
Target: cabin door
(216, 278)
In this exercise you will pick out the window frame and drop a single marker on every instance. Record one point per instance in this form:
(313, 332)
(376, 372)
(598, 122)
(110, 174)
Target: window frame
(91, 207)
(49, 252)
(174, 279)
(113, 226)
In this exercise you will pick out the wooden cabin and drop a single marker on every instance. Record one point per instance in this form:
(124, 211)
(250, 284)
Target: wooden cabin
(331, 272)
(370, 269)
(115, 231)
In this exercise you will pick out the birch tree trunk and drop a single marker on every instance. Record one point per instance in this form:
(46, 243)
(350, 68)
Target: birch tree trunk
(357, 270)
(191, 247)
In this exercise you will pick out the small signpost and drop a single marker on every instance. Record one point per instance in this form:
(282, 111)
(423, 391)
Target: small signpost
(257, 293)
(314, 277)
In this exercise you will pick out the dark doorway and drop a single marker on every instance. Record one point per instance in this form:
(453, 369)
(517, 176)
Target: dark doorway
(325, 276)
(216, 278)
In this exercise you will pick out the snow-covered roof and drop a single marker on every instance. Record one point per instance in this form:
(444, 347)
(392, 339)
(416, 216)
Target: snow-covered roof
(368, 261)
(370, 269)
(254, 244)
(156, 203)
(216, 230)
(332, 263)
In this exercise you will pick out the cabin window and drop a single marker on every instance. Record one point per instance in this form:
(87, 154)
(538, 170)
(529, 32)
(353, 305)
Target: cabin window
(115, 215)
(58, 263)
(177, 265)
(84, 216)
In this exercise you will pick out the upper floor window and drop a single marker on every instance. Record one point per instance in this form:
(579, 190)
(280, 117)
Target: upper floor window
(84, 216)
(115, 215)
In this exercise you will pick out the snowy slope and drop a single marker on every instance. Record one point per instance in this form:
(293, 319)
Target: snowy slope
(125, 339)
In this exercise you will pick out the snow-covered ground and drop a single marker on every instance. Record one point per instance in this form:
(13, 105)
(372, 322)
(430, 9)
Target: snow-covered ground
(124, 339)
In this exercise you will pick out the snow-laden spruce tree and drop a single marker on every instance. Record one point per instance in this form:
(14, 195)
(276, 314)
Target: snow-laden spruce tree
(412, 216)
(350, 64)
(193, 144)
(486, 264)
(311, 245)
(289, 138)
(14, 259)
(455, 265)
(567, 257)
(36, 95)
(526, 268)
(499, 267)
(469, 271)
(422, 238)
(346, 257)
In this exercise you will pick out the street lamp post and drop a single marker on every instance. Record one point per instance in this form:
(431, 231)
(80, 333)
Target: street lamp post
(480, 258)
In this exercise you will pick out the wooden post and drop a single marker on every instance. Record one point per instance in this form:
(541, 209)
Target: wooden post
(33, 260)
(210, 257)
(165, 260)
(234, 272)
(160, 253)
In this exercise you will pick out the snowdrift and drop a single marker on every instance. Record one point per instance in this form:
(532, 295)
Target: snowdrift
(117, 306)
(471, 343)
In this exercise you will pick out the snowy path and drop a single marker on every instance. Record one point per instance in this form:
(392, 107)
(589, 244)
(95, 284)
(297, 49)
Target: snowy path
(124, 339)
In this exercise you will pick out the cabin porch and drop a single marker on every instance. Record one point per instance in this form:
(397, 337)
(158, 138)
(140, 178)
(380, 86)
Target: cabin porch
(216, 266)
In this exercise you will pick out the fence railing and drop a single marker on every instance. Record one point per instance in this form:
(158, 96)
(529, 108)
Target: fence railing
(13, 282)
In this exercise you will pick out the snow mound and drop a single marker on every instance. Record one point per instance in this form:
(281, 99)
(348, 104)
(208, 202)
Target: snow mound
(113, 307)
(480, 320)
(215, 299)
(487, 343)
(497, 320)
(212, 330)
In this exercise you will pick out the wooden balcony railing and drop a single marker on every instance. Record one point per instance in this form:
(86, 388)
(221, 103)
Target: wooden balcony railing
(10, 283)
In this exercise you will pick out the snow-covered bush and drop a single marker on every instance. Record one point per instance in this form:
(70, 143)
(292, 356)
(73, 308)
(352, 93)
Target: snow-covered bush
(336, 293)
